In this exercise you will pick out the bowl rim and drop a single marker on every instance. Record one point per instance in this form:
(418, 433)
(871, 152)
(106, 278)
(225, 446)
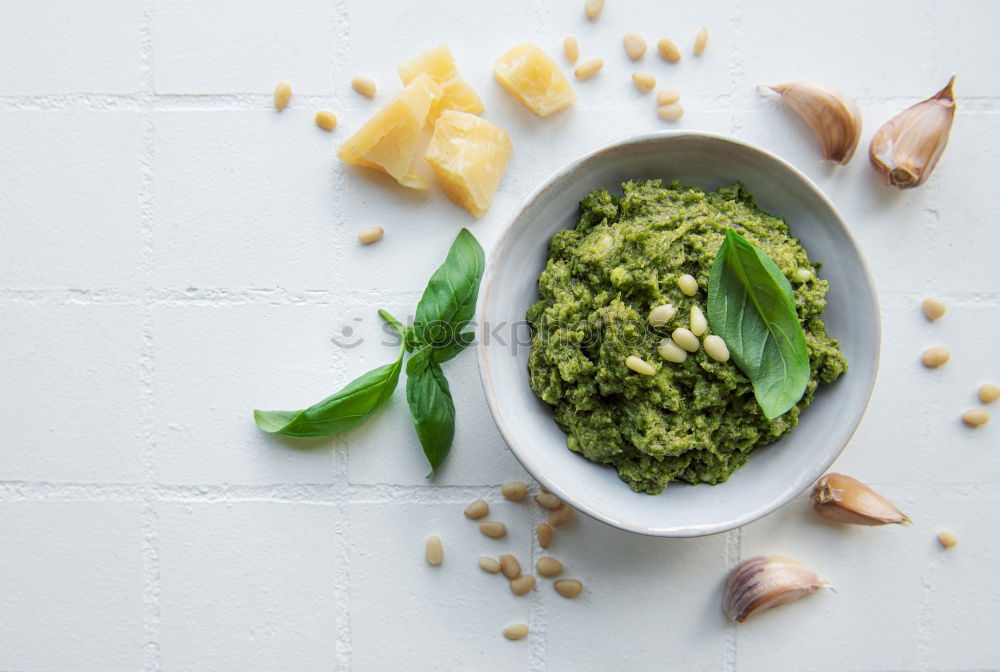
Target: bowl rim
(523, 456)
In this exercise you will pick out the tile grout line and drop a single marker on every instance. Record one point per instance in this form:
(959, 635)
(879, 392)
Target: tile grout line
(733, 555)
(537, 614)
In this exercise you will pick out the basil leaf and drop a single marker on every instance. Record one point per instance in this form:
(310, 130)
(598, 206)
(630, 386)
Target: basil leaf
(433, 411)
(443, 353)
(351, 406)
(449, 301)
(751, 306)
(403, 331)
(419, 361)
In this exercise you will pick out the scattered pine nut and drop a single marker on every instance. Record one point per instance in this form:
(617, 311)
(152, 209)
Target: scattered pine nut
(548, 501)
(282, 94)
(371, 234)
(667, 97)
(716, 348)
(701, 41)
(489, 564)
(544, 532)
(660, 315)
(588, 69)
(803, 275)
(672, 112)
(644, 82)
(522, 584)
(543, 489)
(989, 393)
(516, 631)
(364, 85)
(493, 529)
(688, 284)
(548, 567)
(684, 338)
(510, 567)
(935, 357)
(697, 324)
(326, 120)
(975, 417)
(569, 588)
(514, 491)
(668, 50)
(571, 48)
(561, 516)
(477, 509)
(947, 539)
(635, 45)
(934, 309)
(671, 352)
(434, 551)
(640, 366)
(592, 8)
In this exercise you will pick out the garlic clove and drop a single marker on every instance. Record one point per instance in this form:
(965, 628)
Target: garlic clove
(843, 499)
(833, 116)
(765, 582)
(906, 149)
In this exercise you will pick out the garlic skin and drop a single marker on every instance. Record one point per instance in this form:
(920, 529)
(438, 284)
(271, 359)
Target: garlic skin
(765, 582)
(843, 499)
(906, 149)
(833, 116)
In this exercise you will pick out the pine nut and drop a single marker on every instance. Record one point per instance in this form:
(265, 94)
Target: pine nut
(516, 631)
(522, 585)
(660, 315)
(364, 85)
(668, 50)
(667, 97)
(588, 69)
(640, 366)
(548, 567)
(477, 509)
(571, 48)
(698, 323)
(701, 41)
(548, 501)
(803, 275)
(434, 551)
(934, 308)
(510, 567)
(371, 234)
(592, 8)
(935, 357)
(976, 417)
(671, 352)
(684, 338)
(989, 393)
(326, 120)
(514, 491)
(688, 284)
(635, 45)
(644, 82)
(716, 348)
(489, 564)
(282, 94)
(561, 516)
(569, 588)
(543, 489)
(947, 539)
(493, 529)
(544, 532)
(672, 112)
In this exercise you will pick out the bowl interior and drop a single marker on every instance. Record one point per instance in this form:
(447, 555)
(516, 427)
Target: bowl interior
(775, 473)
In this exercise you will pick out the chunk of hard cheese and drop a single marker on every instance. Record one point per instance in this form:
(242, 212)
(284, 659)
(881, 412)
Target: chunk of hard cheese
(469, 156)
(534, 78)
(388, 141)
(439, 64)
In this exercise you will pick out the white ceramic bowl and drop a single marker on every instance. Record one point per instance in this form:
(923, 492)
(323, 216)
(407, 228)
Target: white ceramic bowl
(775, 473)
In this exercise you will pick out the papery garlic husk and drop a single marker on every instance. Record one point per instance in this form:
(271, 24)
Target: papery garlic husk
(832, 115)
(906, 149)
(765, 582)
(843, 499)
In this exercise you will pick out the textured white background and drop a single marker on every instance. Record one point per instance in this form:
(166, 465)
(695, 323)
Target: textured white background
(173, 253)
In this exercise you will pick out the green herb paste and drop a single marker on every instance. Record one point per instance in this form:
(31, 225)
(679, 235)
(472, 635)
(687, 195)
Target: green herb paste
(697, 421)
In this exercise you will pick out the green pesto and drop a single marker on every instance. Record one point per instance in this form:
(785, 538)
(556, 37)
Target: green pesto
(697, 421)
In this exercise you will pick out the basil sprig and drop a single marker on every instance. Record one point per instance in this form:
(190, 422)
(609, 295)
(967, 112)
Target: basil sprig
(751, 306)
(445, 309)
